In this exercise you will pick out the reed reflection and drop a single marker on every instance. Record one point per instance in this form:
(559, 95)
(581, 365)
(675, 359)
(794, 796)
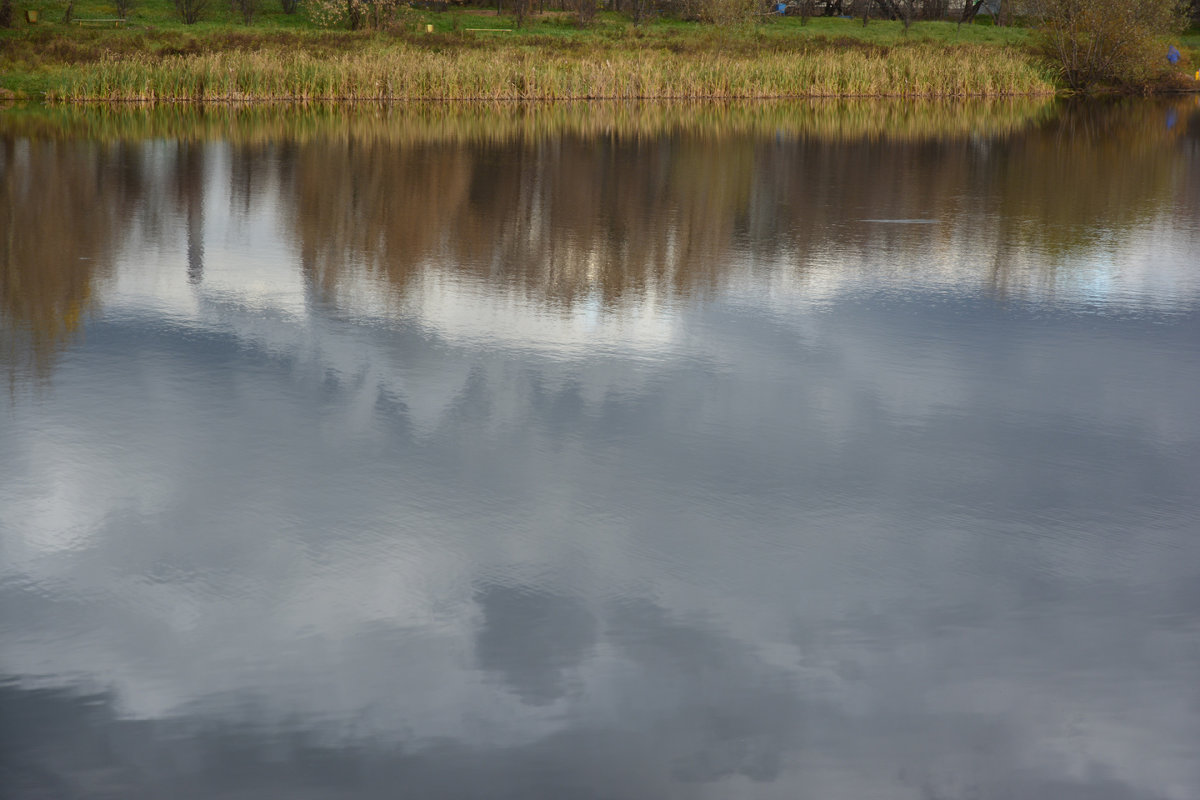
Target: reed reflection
(558, 221)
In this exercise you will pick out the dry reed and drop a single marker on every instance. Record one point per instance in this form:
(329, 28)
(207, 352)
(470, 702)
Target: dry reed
(405, 72)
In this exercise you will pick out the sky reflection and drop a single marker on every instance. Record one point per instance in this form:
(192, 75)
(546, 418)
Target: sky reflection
(622, 468)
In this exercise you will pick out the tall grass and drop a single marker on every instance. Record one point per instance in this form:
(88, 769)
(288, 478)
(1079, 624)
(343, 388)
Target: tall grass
(402, 71)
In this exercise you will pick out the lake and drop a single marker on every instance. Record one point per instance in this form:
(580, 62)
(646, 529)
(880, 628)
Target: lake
(825, 450)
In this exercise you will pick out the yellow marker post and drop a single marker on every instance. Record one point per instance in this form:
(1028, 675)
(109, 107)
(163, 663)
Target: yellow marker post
(429, 29)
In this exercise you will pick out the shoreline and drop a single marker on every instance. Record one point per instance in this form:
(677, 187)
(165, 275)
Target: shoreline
(549, 61)
(829, 118)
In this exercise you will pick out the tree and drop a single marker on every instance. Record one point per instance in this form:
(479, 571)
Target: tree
(970, 10)
(1107, 42)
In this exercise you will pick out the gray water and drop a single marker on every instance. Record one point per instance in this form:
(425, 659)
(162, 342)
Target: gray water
(601, 453)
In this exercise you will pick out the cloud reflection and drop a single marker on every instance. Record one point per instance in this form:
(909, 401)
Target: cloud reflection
(519, 490)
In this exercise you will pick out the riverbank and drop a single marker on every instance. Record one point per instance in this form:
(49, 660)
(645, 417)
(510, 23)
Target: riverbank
(547, 60)
(482, 56)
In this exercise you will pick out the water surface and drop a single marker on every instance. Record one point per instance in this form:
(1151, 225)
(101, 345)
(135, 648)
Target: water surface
(831, 451)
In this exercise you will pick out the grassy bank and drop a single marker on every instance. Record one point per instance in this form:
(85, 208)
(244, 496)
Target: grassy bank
(284, 57)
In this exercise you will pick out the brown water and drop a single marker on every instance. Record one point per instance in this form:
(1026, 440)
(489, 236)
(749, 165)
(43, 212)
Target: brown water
(791, 451)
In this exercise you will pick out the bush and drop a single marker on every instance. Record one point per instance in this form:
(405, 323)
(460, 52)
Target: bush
(1107, 42)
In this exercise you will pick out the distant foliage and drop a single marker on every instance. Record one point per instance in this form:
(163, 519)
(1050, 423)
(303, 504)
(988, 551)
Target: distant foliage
(638, 10)
(1108, 42)
(935, 9)
(190, 10)
(808, 9)
(729, 13)
(124, 7)
(520, 10)
(289, 6)
(247, 9)
(355, 14)
(585, 11)
(6, 14)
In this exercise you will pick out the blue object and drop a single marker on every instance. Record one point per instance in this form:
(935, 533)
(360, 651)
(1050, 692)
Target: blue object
(1173, 54)
(781, 8)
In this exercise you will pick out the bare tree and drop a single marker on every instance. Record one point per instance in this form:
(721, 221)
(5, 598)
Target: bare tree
(970, 10)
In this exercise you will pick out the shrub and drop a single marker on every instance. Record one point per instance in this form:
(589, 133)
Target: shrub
(1107, 42)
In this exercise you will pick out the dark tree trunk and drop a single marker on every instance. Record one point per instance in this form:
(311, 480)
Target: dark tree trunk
(970, 10)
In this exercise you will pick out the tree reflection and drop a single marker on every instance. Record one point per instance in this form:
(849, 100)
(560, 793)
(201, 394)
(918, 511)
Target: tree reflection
(66, 208)
(605, 203)
(567, 217)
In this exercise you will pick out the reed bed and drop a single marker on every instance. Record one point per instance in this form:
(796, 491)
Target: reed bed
(512, 72)
(436, 123)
